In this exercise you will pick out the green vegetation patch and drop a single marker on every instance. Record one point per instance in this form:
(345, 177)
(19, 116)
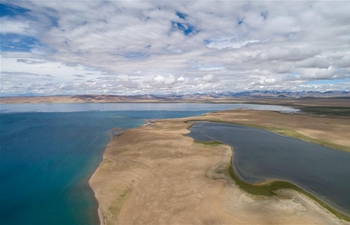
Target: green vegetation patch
(118, 202)
(326, 111)
(210, 143)
(269, 188)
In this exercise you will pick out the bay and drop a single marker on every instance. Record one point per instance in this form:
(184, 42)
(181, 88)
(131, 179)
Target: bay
(261, 155)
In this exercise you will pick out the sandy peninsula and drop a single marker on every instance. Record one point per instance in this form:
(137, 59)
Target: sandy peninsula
(155, 174)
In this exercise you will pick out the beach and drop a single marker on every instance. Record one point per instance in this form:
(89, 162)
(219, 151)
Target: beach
(155, 174)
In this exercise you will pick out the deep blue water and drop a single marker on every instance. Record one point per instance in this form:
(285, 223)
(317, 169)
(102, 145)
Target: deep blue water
(48, 153)
(260, 155)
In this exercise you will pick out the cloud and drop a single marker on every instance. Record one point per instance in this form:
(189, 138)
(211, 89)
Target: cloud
(316, 62)
(133, 47)
(164, 82)
(228, 42)
(181, 79)
(281, 54)
(9, 26)
(30, 61)
(317, 73)
(344, 61)
(209, 78)
(284, 68)
(208, 68)
(41, 67)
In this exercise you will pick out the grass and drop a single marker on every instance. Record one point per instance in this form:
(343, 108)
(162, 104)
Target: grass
(209, 143)
(326, 111)
(118, 202)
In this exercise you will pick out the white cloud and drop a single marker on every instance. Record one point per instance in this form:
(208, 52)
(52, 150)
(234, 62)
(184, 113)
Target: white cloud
(283, 24)
(181, 79)
(9, 26)
(130, 47)
(344, 61)
(284, 68)
(210, 78)
(40, 67)
(317, 62)
(162, 81)
(267, 80)
(282, 54)
(317, 73)
(229, 42)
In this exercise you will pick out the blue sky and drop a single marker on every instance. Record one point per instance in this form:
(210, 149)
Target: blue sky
(133, 47)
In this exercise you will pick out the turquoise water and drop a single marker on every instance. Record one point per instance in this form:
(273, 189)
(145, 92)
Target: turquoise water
(260, 155)
(48, 158)
(49, 152)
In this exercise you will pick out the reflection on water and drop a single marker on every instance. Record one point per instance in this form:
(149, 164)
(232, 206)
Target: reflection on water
(261, 155)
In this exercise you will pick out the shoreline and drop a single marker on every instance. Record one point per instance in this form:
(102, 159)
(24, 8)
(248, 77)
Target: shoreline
(285, 184)
(127, 198)
(232, 173)
(288, 128)
(275, 184)
(98, 203)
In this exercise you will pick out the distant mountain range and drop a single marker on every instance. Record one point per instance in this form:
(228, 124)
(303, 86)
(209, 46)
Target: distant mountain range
(219, 97)
(283, 94)
(250, 94)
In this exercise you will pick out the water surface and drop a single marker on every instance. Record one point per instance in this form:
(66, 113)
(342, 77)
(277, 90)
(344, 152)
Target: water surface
(79, 107)
(260, 155)
(48, 152)
(48, 158)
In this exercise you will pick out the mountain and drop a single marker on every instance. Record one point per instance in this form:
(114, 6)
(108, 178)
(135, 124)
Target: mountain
(220, 97)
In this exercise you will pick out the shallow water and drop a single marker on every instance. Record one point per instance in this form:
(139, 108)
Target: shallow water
(260, 155)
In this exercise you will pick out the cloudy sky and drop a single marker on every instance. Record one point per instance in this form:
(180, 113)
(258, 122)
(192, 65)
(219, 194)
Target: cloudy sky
(137, 47)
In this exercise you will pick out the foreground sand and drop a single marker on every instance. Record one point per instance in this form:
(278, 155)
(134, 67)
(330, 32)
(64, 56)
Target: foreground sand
(156, 175)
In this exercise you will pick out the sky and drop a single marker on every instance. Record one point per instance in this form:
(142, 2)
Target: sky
(137, 47)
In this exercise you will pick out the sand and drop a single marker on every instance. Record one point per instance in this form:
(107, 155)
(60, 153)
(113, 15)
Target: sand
(155, 174)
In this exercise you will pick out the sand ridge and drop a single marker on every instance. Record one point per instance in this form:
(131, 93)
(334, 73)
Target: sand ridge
(155, 174)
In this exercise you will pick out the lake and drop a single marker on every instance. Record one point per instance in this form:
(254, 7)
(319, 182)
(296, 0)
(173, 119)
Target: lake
(48, 153)
(260, 155)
